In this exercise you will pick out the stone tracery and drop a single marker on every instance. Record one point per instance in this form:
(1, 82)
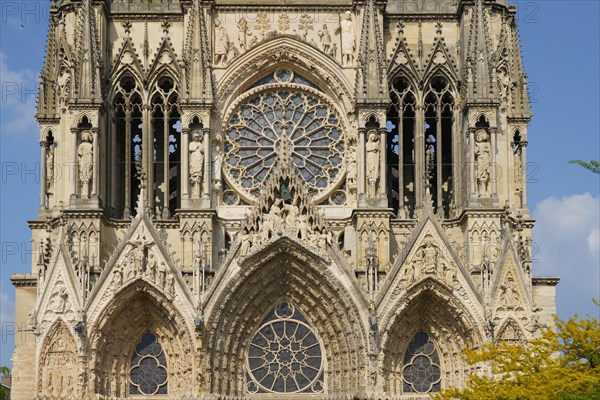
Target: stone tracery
(282, 121)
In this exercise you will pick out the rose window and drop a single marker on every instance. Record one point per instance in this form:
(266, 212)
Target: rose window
(286, 121)
(422, 372)
(285, 355)
(148, 374)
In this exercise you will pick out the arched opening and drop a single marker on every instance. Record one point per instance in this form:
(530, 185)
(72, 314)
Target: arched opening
(166, 152)
(58, 363)
(438, 135)
(401, 119)
(127, 106)
(285, 354)
(123, 353)
(423, 345)
(247, 307)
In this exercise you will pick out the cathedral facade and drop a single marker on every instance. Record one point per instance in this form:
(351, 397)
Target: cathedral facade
(273, 199)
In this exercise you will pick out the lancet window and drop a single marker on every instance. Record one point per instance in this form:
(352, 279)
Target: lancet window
(128, 126)
(166, 146)
(420, 145)
(285, 355)
(147, 141)
(401, 145)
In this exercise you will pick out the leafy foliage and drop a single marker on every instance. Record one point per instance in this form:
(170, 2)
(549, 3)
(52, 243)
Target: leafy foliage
(593, 165)
(561, 364)
(3, 392)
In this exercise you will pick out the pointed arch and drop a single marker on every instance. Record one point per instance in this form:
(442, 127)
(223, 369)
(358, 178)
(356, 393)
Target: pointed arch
(510, 331)
(137, 309)
(431, 308)
(287, 270)
(58, 362)
(291, 52)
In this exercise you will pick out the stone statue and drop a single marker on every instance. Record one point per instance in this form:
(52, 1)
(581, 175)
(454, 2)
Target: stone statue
(325, 37)
(351, 166)
(482, 162)
(49, 166)
(243, 33)
(222, 43)
(509, 297)
(346, 31)
(218, 161)
(196, 149)
(85, 153)
(373, 161)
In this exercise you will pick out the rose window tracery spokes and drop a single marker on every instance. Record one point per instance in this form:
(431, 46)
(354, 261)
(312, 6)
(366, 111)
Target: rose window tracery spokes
(285, 355)
(288, 124)
(148, 374)
(421, 372)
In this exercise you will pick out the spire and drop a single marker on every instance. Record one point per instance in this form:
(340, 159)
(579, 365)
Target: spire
(372, 71)
(198, 87)
(478, 58)
(88, 87)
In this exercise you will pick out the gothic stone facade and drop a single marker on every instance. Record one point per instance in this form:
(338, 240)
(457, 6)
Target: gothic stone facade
(262, 199)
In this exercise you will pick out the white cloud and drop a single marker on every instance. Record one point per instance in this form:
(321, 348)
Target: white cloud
(593, 241)
(567, 239)
(18, 93)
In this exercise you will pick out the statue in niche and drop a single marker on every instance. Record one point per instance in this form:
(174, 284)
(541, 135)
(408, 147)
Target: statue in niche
(518, 156)
(222, 44)
(196, 149)
(325, 37)
(346, 31)
(509, 296)
(482, 162)
(85, 154)
(428, 255)
(218, 161)
(49, 166)
(373, 161)
(503, 83)
(480, 68)
(351, 166)
(243, 33)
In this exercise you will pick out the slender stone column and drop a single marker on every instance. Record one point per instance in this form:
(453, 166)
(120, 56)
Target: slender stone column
(400, 163)
(185, 163)
(208, 171)
(493, 175)
(439, 150)
(419, 156)
(383, 166)
(361, 163)
(166, 162)
(96, 149)
(148, 154)
(128, 161)
(472, 184)
(75, 171)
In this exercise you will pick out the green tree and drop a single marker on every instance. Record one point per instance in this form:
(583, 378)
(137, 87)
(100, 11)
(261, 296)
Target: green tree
(593, 165)
(3, 392)
(562, 364)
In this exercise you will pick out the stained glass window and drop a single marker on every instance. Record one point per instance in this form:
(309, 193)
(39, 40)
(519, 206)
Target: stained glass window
(283, 120)
(422, 372)
(148, 373)
(285, 354)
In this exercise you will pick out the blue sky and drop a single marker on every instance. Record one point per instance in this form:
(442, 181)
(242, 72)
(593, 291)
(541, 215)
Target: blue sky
(560, 43)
